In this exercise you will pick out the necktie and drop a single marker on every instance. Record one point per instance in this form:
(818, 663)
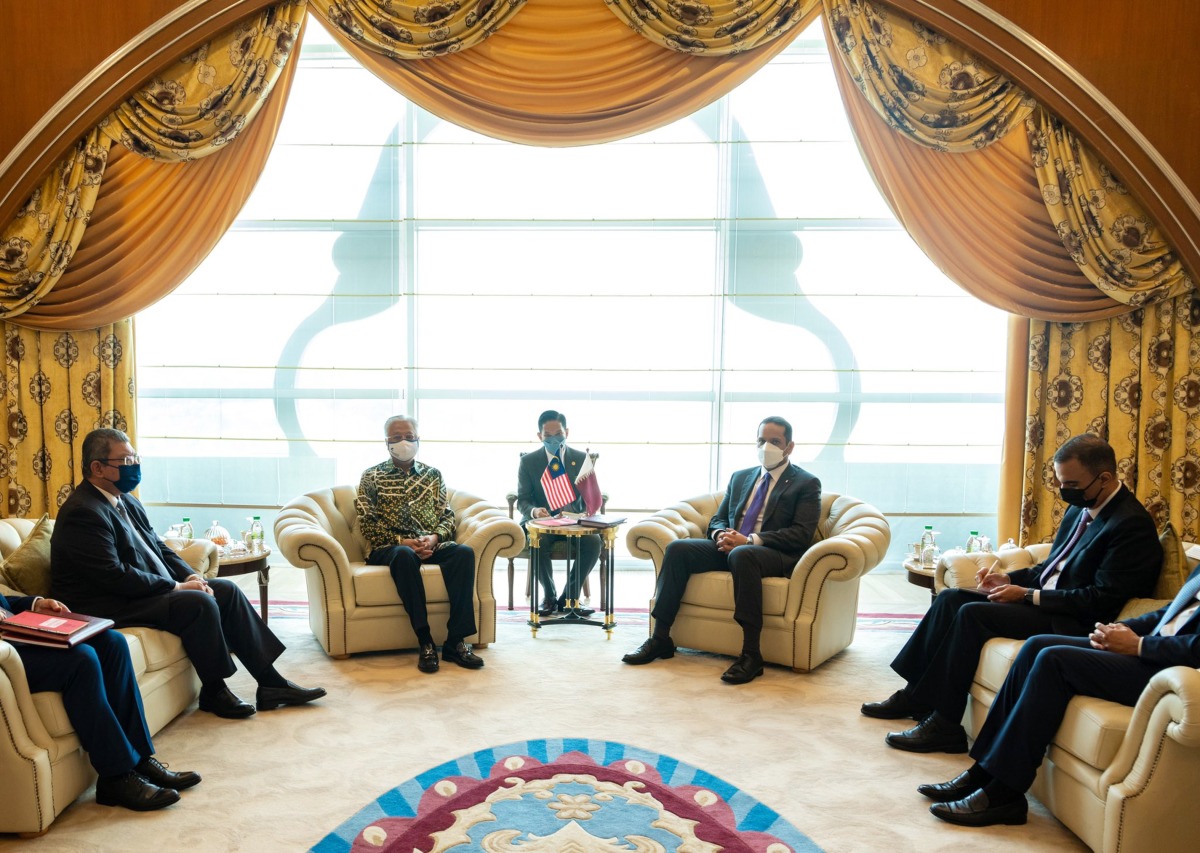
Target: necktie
(755, 509)
(1056, 564)
(139, 540)
(1186, 596)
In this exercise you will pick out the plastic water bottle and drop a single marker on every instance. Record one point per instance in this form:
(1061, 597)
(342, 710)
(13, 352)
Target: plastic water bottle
(257, 545)
(974, 543)
(929, 552)
(186, 533)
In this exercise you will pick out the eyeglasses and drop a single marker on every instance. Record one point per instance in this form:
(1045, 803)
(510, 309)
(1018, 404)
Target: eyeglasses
(393, 439)
(124, 460)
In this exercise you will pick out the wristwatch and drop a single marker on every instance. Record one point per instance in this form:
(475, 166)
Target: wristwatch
(1029, 595)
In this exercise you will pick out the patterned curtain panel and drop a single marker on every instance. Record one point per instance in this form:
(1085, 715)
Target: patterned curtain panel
(929, 89)
(1106, 232)
(39, 243)
(1133, 380)
(58, 387)
(198, 105)
(718, 28)
(419, 29)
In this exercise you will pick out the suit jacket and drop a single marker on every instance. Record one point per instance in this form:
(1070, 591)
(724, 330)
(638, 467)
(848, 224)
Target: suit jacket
(18, 604)
(97, 567)
(1183, 649)
(790, 516)
(1117, 558)
(530, 493)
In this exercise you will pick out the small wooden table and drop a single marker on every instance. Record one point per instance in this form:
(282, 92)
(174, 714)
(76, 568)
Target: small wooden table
(608, 538)
(244, 564)
(920, 575)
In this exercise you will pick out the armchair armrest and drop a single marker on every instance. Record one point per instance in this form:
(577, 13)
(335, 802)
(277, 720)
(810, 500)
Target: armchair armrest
(1168, 709)
(27, 735)
(649, 538)
(304, 540)
(957, 569)
(201, 554)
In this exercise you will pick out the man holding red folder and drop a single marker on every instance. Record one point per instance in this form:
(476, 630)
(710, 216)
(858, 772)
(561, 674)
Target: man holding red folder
(104, 705)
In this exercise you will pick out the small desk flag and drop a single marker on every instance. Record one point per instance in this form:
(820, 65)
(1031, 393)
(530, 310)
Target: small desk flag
(556, 483)
(588, 487)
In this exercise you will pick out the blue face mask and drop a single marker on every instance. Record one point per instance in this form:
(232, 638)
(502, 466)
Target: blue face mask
(554, 443)
(129, 477)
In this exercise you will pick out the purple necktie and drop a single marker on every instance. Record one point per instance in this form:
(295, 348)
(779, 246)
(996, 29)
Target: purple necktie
(755, 509)
(1056, 564)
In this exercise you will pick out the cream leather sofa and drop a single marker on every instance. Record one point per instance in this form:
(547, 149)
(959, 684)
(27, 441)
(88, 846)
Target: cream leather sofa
(808, 617)
(1120, 778)
(43, 769)
(354, 607)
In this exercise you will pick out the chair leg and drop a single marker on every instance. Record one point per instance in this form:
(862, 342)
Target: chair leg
(587, 588)
(511, 574)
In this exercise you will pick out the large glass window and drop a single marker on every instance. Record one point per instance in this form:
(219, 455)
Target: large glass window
(666, 292)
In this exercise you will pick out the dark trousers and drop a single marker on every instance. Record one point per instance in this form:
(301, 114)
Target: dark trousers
(748, 564)
(1048, 672)
(457, 563)
(100, 695)
(577, 569)
(212, 626)
(940, 658)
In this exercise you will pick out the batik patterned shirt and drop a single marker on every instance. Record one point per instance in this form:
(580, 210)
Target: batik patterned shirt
(395, 504)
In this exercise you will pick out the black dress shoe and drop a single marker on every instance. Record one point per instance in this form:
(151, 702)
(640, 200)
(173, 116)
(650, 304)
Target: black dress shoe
(549, 607)
(745, 669)
(947, 792)
(155, 772)
(427, 661)
(461, 654)
(932, 734)
(270, 698)
(895, 707)
(225, 704)
(975, 810)
(133, 791)
(652, 649)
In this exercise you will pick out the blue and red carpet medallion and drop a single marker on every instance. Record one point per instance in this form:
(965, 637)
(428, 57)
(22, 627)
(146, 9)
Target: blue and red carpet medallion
(575, 795)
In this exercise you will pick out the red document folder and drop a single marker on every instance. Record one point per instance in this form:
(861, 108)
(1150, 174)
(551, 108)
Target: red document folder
(61, 631)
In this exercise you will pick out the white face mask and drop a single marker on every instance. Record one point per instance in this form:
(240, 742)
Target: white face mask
(403, 451)
(769, 456)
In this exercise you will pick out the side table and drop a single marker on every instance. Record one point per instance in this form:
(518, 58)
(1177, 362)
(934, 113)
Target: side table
(244, 564)
(920, 575)
(608, 538)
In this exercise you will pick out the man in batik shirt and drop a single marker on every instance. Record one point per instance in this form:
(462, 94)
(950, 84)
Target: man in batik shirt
(404, 516)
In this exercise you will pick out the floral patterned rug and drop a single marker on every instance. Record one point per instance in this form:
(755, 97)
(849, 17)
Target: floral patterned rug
(577, 795)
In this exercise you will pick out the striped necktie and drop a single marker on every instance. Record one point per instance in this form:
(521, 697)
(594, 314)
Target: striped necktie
(1056, 565)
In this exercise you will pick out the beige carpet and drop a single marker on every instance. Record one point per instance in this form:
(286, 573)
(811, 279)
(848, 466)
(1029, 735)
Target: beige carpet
(282, 780)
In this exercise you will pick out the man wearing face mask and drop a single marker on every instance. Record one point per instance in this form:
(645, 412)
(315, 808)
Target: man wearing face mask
(106, 560)
(764, 524)
(1105, 552)
(534, 503)
(405, 517)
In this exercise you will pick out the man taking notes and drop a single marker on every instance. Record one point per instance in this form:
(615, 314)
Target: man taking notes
(1106, 551)
(546, 487)
(765, 523)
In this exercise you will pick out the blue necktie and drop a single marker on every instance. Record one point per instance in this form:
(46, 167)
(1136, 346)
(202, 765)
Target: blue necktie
(755, 509)
(1185, 597)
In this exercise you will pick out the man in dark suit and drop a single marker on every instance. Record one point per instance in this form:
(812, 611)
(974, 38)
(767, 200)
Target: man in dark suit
(104, 706)
(1106, 551)
(1115, 663)
(106, 560)
(534, 504)
(764, 524)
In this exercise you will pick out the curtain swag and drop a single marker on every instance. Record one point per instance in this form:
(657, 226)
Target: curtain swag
(207, 98)
(419, 30)
(1103, 229)
(718, 28)
(924, 86)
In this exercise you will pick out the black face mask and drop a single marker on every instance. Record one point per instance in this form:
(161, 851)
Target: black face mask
(1076, 497)
(128, 478)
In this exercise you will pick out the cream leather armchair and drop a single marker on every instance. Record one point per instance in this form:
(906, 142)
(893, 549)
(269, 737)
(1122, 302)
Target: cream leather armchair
(1118, 777)
(808, 617)
(354, 607)
(43, 769)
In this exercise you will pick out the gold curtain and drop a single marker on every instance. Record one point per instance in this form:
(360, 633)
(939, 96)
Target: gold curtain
(716, 28)
(1133, 380)
(564, 72)
(417, 30)
(58, 387)
(924, 86)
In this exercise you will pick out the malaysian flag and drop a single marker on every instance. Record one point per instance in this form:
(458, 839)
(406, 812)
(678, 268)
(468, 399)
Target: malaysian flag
(556, 483)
